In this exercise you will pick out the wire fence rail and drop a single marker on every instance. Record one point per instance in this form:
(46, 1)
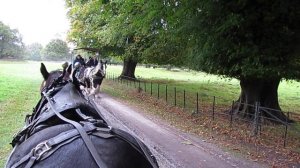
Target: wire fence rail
(219, 112)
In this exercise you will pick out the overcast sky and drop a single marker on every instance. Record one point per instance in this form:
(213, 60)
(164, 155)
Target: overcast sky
(37, 20)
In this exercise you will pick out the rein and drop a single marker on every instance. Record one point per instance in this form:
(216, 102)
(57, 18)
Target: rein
(81, 131)
(86, 126)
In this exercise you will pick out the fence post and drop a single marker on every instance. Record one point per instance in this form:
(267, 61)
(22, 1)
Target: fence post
(213, 109)
(184, 99)
(285, 132)
(167, 93)
(285, 135)
(134, 84)
(139, 84)
(231, 113)
(175, 96)
(256, 115)
(158, 91)
(197, 102)
(151, 88)
(259, 118)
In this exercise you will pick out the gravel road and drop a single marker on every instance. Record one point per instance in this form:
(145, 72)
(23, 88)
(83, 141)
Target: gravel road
(172, 147)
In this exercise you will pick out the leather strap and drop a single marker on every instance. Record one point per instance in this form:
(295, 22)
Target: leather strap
(85, 117)
(82, 132)
(31, 162)
(137, 144)
(45, 148)
(25, 158)
(96, 108)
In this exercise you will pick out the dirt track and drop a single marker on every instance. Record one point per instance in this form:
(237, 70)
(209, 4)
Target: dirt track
(171, 147)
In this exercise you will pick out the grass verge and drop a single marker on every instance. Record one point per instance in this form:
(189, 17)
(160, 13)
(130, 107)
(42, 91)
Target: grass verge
(207, 85)
(267, 148)
(19, 93)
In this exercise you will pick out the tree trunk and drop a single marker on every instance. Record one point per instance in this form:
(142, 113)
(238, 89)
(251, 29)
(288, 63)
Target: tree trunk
(128, 71)
(263, 91)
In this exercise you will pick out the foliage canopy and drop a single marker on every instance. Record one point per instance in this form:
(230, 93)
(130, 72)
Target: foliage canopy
(11, 44)
(56, 49)
(247, 38)
(244, 39)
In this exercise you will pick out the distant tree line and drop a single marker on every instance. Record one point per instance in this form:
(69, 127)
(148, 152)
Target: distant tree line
(12, 46)
(55, 50)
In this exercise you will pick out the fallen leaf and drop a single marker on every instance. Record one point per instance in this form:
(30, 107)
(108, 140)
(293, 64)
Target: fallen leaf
(187, 142)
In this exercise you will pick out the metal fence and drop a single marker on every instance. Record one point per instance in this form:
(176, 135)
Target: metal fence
(217, 113)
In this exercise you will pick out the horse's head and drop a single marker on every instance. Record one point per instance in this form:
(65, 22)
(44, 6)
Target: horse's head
(94, 77)
(100, 69)
(103, 66)
(50, 77)
(57, 84)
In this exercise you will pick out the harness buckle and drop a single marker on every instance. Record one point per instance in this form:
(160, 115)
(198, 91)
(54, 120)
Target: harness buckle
(40, 149)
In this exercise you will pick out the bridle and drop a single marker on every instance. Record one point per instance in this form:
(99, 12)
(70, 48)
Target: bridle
(47, 94)
(87, 141)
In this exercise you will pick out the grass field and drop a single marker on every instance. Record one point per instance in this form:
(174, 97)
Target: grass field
(19, 93)
(212, 85)
(20, 82)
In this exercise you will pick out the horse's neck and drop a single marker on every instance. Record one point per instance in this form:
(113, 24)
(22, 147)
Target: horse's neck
(99, 67)
(103, 69)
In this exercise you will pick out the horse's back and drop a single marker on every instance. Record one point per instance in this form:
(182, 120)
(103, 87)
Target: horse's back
(114, 151)
(50, 139)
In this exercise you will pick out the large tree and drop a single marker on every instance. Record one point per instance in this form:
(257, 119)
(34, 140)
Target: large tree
(56, 49)
(91, 27)
(254, 41)
(11, 44)
(111, 28)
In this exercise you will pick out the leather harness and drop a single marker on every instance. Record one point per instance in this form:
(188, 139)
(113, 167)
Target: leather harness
(89, 126)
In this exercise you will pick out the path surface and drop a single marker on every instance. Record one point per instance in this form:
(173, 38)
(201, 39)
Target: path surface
(172, 148)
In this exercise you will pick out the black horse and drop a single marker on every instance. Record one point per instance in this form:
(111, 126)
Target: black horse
(67, 130)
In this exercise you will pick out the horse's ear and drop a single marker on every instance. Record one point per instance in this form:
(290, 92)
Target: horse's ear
(69, 69)
(101, 61)
(44, 71)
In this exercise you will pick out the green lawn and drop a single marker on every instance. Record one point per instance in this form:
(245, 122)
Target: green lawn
(20, 82)
(19, 93)
(225, 89)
